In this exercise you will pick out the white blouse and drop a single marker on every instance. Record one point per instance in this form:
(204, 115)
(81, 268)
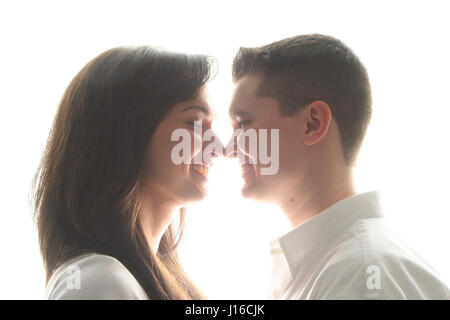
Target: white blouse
(93, 277)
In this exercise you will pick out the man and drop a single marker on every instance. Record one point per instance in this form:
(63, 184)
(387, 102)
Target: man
(317, 93)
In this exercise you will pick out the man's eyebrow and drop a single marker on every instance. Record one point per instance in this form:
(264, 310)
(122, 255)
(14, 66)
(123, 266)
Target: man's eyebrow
(204, 110)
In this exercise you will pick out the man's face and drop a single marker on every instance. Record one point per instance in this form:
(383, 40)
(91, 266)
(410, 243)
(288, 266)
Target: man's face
(249, 111)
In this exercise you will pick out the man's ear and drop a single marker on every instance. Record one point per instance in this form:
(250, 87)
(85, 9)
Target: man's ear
(317, 121)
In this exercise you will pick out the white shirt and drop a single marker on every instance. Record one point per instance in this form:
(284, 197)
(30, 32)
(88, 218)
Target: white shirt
(93, 277)
(348, 252)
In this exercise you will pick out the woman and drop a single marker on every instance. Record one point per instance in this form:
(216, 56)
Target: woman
(106, 190)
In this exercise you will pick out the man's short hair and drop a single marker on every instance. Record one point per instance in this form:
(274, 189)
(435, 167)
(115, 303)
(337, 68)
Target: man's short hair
(300, 70)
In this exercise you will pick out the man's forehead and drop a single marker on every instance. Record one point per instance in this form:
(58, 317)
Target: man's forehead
(249, 82)
(244, 93)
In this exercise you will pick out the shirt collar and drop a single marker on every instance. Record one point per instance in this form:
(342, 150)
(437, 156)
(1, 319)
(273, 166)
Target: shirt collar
(298, 244)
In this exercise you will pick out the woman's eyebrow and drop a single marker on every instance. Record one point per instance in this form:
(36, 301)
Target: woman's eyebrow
(204, 110)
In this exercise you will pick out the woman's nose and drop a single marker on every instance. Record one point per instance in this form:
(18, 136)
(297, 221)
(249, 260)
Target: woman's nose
(212, 149)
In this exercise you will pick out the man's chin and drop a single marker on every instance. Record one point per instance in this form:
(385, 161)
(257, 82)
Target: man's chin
(251, 191)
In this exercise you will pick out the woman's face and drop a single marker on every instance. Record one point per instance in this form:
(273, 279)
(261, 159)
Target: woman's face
(185, 182)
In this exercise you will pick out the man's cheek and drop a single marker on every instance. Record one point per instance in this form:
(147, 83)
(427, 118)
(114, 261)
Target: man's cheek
(287, 155)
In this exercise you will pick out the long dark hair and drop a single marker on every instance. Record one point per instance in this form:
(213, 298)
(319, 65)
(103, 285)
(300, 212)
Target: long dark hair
(87, 190)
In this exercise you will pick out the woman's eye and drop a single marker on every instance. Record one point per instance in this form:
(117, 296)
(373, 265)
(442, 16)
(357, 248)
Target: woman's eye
(195, 123)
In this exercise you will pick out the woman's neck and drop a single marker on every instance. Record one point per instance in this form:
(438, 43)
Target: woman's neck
(155, 217)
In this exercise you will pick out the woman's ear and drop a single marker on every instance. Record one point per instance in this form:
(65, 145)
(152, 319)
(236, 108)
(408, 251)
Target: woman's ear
(317, 121)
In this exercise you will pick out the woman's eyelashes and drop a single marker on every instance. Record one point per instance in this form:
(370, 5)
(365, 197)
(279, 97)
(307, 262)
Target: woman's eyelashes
(194, 123)
(199, 124)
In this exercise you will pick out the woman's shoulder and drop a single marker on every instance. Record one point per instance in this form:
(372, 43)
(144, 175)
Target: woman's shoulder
(93, 277)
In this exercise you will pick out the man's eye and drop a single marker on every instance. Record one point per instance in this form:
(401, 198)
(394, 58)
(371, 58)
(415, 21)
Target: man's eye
(243, 123)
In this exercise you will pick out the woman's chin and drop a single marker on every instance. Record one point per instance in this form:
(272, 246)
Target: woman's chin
(198, 188)
(195, 192)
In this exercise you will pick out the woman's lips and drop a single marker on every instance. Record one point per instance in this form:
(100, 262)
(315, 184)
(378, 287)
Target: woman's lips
(200, 170)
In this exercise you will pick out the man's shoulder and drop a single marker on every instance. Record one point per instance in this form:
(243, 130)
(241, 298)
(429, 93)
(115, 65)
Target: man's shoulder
(371, 261)
(371, 240)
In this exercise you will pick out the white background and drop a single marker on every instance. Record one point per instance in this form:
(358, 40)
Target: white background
(404, 45)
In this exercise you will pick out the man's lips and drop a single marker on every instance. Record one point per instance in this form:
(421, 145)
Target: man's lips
(246, 167)
(248, 173)
(247, 170)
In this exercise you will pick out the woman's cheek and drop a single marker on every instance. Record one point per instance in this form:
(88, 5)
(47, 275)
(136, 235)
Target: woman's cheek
(197, 146)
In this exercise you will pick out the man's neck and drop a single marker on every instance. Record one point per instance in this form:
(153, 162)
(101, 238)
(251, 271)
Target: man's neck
(314, 198)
